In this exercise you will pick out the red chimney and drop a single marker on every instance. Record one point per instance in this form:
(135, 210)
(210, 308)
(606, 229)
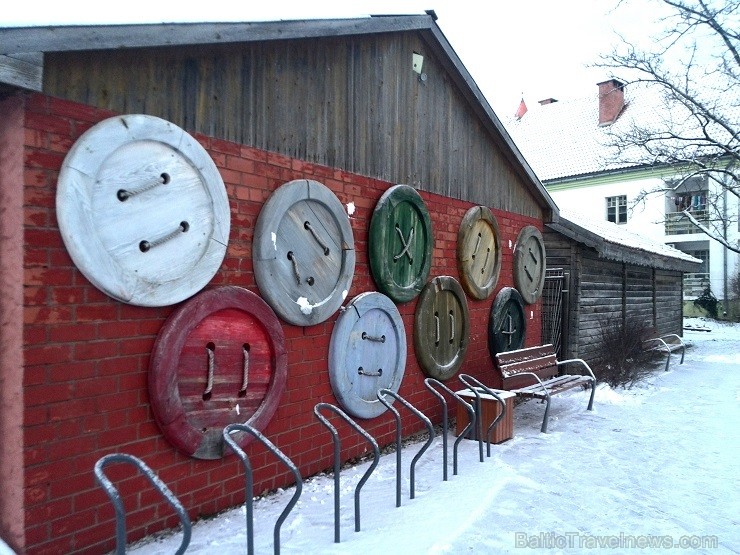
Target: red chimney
(611, 101)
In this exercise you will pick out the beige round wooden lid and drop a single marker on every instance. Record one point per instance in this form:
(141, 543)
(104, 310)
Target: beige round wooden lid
(143, 210)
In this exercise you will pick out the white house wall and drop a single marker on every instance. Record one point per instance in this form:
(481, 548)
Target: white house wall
(647, 218)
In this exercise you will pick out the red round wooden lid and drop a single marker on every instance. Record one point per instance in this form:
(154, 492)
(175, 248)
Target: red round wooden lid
(219, 359)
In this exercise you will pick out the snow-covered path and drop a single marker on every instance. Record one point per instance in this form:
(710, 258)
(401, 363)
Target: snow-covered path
(656, 466)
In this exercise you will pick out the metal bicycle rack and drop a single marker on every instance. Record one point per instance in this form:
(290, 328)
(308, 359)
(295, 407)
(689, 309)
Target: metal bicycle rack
(430, 382)
(228, 430)
(115, 498)
(337, 451)
(476, 390)
(381, 397)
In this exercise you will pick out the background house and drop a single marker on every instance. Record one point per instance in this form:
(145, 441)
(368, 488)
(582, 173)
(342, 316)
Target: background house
(358, 105)
(568, 144)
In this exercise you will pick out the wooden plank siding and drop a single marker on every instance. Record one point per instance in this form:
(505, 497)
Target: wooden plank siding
(604, 290)
(350, 102)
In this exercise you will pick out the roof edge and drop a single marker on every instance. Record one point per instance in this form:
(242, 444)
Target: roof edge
(14, 40)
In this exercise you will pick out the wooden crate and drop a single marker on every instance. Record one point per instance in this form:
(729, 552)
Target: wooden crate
(490, 409)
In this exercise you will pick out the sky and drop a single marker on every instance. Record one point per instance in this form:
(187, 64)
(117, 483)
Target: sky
(655, 465)
(531, 49)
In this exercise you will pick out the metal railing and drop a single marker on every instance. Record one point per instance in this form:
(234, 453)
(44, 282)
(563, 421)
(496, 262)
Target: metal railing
(475, 387)
(431, 383)
(337, 451)
(381, 397)
(694, 284)
(676, 223)
(249, 488)
(115, 498)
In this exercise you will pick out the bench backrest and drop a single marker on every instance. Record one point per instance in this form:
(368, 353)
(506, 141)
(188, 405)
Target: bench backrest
(540, 360)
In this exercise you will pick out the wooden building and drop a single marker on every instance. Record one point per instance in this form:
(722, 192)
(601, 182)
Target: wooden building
(613, 276)
(358, 105)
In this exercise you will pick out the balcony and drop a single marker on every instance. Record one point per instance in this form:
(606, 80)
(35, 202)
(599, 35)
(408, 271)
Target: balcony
(676, 223)
(694, 284)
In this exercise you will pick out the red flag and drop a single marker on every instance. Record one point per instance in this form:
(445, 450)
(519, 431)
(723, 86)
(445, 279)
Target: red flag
(521, 110)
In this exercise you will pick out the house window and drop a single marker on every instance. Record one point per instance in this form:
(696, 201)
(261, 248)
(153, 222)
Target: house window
(616, 209)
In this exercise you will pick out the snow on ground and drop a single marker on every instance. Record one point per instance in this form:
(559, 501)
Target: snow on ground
(653, 467)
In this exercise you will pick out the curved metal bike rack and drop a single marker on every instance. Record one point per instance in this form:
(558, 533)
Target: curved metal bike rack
(115, 498)
(492, 425)
(381, 397)
(228, 430)
(337, 451)
(430, 382)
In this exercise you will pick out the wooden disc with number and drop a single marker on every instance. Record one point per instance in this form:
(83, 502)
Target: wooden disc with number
(479, 252)
(441, 328)
(507, 325)
(529, 264)
(367, 352)
(400, 243)
(303, 252)
(219, 359)
(142, 210)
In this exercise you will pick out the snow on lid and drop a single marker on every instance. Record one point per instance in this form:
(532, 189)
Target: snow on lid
(614, 233)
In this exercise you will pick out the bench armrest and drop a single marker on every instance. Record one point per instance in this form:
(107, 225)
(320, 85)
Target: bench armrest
(580, 361)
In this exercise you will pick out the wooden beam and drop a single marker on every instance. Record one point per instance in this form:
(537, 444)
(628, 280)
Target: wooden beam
(22, 70)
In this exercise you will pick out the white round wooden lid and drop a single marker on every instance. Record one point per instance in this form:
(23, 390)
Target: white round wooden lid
(143, 210)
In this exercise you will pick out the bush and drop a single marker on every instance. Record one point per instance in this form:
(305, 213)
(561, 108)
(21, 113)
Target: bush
(708, 302)
(621, 360)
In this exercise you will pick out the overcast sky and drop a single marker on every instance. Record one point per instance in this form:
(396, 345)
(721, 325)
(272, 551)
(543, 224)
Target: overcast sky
(535, 48)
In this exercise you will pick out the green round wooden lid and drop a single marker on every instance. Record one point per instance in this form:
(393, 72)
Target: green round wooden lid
(529, 264)
(400, 243)
(479, 252)
(441, 328)
(507, 326)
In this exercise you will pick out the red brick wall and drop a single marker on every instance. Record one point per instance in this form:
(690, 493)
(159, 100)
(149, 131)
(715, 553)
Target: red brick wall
(87, 355)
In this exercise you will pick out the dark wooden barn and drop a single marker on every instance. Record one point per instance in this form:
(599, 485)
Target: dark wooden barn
(612, 277)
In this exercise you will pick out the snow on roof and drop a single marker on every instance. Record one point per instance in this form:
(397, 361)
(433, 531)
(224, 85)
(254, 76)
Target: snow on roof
(613, 233)
(563, 139)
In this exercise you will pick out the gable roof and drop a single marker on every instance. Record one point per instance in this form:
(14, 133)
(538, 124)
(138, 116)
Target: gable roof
(21, 60)
(617, 243)
(563, 140)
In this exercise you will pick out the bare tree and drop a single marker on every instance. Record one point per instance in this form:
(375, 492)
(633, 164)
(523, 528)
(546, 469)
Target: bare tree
(695, 65)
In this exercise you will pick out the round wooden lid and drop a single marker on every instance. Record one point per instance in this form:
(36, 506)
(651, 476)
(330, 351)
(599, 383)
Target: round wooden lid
(441, 328)
(143, 210)
(219, 359)
(529, 264)
(303, 252)
(400, 243)
(507, 326)
(479, 252)
(367, 352)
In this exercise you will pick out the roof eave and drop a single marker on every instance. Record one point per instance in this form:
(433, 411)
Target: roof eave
(618, 252)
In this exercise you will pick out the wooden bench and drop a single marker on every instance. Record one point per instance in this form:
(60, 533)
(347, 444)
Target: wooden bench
(666, 343)
(534, 372)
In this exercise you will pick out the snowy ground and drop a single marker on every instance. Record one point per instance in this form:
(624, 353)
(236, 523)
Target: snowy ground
(654, 467)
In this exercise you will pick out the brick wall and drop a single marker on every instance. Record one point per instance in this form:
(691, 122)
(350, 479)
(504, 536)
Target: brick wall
(87, 355)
